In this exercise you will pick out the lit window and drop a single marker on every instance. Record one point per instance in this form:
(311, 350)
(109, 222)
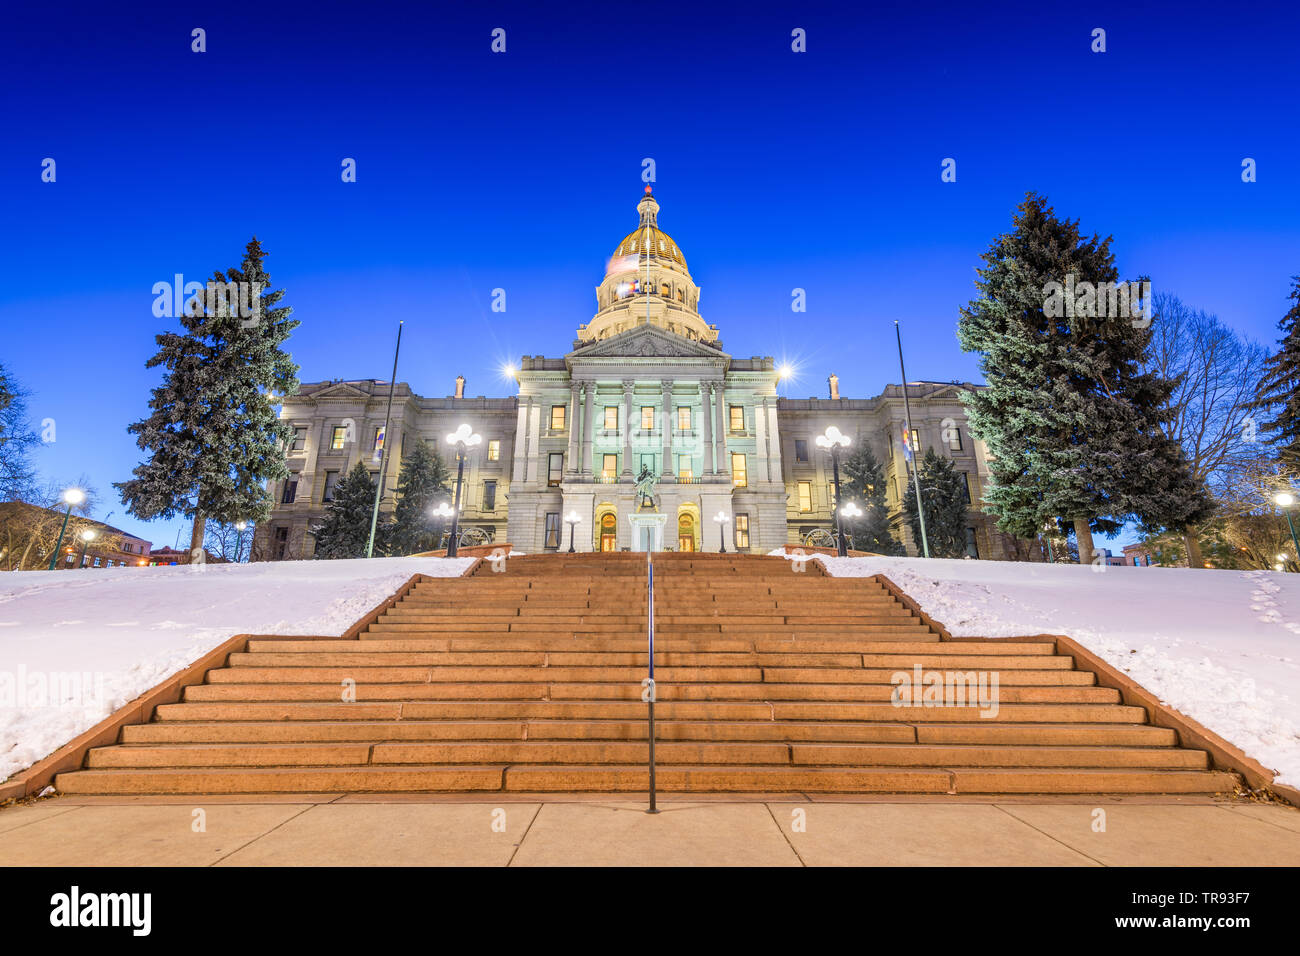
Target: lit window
(801, 449)
(805, 496)
(557, 418)
(737, 418)
(494, 450)
(338, 438)
(742, 531)
(611, 418)
(684, 418)
(554, 469)
(685, 467)
(739, 476)
(610, 466)
(647, 418)
(378, 445)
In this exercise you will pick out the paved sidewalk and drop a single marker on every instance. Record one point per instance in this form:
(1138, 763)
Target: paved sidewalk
(421, 830)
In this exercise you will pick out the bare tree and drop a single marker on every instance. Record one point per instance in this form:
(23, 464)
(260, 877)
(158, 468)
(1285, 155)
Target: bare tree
(30, 530)
(1215, 371)
(226, 541)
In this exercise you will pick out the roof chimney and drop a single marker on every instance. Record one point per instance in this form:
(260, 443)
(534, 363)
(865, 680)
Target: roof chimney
(834, 381)
(460, 386)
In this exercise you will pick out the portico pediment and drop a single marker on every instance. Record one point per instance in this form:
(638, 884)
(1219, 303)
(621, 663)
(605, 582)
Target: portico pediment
(342, 390)
(648, 341)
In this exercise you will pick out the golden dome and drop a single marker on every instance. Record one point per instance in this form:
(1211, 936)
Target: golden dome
(661, 245)
(647, 237)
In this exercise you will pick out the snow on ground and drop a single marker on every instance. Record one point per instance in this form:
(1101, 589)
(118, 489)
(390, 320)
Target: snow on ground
(1223, 647)
(77, 645)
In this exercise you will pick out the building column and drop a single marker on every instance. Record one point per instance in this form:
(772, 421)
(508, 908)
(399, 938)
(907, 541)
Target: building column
(519, 469)
(667, 471)
(627, 428)
(710, 464)
(762, 441)
(586, 466)
(724, 463)
(571, 457)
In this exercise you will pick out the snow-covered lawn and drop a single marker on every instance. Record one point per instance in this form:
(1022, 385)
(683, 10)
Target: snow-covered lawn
(77, 645)
(1223, 647)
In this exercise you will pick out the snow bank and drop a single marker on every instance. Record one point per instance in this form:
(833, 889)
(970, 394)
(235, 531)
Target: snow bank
(1223, 647)
(77, 645)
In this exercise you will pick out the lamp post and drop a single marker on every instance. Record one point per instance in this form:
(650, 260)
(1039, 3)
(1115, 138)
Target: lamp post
(444, 512)
(73, 496)
(722, 518)
(86, 536)
(835, 440)
(464, 438)
(851, 511)
(1284, 501)
(239, 539)
(572, 519)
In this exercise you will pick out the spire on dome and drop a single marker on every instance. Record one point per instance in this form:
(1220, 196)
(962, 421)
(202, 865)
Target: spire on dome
(648, 208)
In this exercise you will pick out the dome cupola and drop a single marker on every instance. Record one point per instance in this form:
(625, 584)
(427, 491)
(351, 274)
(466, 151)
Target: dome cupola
(646, 280)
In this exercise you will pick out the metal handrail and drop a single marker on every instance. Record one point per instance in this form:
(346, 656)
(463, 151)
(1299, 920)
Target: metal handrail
(650, 680)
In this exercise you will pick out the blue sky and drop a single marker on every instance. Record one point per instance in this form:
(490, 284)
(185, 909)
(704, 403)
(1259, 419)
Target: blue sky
(521, 170)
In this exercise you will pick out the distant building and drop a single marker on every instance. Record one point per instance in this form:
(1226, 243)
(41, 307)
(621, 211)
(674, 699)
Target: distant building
(29, 532)
(646, 386)
(1138, 555)
(168, 556)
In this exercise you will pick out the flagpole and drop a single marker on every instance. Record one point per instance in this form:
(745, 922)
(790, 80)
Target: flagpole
(916, 468)
(383, 459)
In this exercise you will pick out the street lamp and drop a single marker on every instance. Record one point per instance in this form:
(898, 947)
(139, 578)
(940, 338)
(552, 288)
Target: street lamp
(464, 439)
(73, 496)
(444, 512)
(1284, 501)
(572, 519)
(722, 518)
(835, 440)
(86, 536)
(851, 511)
(239, 539)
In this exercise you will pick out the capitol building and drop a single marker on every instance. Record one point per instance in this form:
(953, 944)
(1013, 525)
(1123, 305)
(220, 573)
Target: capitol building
(646, 387)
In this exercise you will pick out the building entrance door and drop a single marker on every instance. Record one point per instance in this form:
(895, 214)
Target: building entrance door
(608, 532)
(685, 533)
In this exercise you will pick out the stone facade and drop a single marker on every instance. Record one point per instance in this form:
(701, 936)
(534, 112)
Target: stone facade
(646, 387)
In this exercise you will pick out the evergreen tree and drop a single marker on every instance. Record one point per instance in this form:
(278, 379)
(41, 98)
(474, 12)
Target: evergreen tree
(1071, 419)
(1279, 388)
(863, 482)
(17, 442)
(944, 496)
(344, 531)
(213, 435)
(423, 481)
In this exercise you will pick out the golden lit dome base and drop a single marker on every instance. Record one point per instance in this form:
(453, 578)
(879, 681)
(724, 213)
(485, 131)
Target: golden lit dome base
(660, 245)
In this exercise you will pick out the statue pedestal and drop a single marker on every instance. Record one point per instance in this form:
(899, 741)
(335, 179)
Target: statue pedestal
(647, 531)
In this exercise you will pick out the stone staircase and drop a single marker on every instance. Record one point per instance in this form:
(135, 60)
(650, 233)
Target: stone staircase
(529, 680)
